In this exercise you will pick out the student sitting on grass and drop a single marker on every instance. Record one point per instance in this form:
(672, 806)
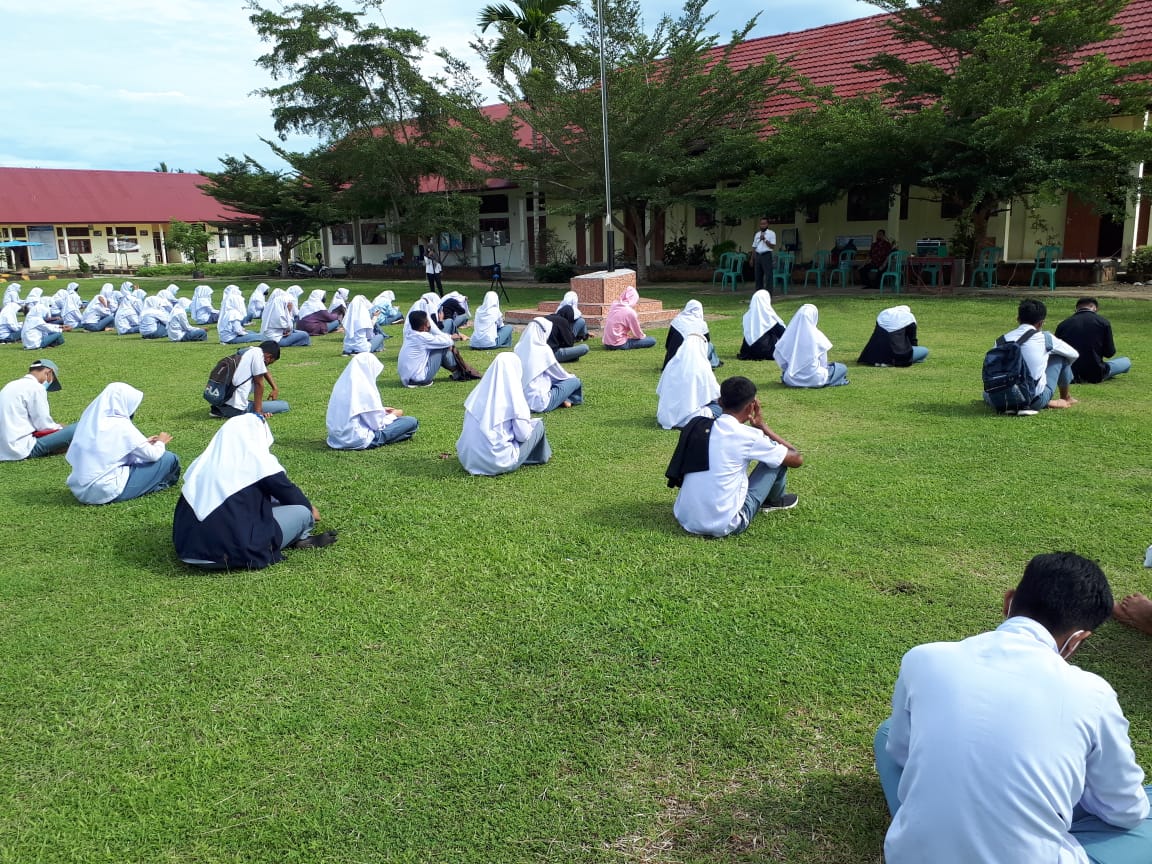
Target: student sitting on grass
(339, 302)
(357, 418)
(154, 319)
(111, 459)
(10, 322)
(1090, 333)
(425, 351)
(27, 430)
(203, 312)
(893, 341)
(454, 312)
(579, 325)
(717, 495)
(179, 330)
(490, 331)
(100, 313)
(238, 510)
(230, 327)
(802, 353)
(127, 318)
(622, 331)
(71, 312)
(499, 433)
(314, 303)
(359, 330)
(547, 384)
(688, 386)
(37, 332)
(1000, 751)
(249, 379)
(384, 311)
(256, 301)
(762, 328)
(1049, 359)
(689, 322)
(279, 322)
(562, 339)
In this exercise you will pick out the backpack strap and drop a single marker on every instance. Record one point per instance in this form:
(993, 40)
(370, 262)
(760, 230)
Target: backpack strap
(1028, 334)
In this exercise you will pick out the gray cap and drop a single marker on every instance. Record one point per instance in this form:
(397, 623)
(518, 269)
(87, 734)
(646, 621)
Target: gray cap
(48, 364)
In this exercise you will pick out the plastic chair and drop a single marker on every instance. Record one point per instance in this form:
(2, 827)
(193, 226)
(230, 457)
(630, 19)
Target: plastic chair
(986, 266)
(819, 267)
(782, 271)
(723, 266)
(843, 268)
(1047, 259)
(736, 274)
(932, 271)
(894, 269)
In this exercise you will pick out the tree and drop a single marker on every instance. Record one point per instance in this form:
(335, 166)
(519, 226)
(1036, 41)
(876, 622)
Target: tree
(1011, 106)
(532, 42)
(394, 144)
(682, 117)
(279, 204)
(190, 240)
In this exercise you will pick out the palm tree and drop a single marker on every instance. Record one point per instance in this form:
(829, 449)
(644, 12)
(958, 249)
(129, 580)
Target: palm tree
(528, 32)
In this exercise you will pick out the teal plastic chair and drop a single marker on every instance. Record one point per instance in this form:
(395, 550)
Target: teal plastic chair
(987, 262)
(1047, 258)
(932, 271)
(819, 267)
(723, 266)
(894, 270)
(782, 271)
(843, 269)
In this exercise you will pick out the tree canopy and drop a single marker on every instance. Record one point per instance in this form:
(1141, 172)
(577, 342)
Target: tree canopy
(1011, 105)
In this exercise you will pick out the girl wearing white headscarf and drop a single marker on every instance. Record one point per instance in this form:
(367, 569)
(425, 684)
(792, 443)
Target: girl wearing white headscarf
(454, 312)
(314, 303)
(33, 298)
(893, 341)
(295, 291)
(562, 339)
(203, 312)
(256, 302)
(154, 317)
(9, 321)
(339, 300)
(547, 384)
(37, 332)
(179, 330)
(12, 293)
(579, 325)
(70, 312)
(622, 331)
(111, 459)
(762, 328)
(802, 353)
(230, 328)
(238, 509)
(100, 313)
(689, 322)
(359, 332)
(357, 418)
(688, 386)
(499, 433)
(384, 310)
(279, 322)
(127, 318)
(490, 331)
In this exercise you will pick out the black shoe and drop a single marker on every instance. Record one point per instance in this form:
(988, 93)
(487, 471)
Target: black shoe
(784, 502)
(317, 541)
(457, 375)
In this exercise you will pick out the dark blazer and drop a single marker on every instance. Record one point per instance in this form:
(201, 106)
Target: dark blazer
(1091, 335)
(764, 347)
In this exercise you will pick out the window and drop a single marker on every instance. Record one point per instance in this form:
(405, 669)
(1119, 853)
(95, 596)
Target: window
(868, 204)
(342, 234)
(76, 232)
(125, 230)
(493, 203)
(20, 233)
(80, 246)
(232, 241)
(812, 213)
(267, 240)
(373, 233)
(543, 203)
(705, 217)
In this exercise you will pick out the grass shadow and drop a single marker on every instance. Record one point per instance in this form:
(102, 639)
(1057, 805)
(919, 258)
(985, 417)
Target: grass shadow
(623, 515)
(974, 408)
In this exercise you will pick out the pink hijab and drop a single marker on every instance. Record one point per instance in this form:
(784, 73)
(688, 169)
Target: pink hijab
(628, 298)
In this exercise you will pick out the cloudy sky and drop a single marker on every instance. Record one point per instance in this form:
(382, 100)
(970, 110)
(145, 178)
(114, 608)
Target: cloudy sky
(127, 84)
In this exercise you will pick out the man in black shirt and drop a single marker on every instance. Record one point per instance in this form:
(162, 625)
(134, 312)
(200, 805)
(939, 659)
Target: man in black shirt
(1091, 335)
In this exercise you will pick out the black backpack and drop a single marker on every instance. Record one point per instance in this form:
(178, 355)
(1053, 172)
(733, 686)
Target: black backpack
(220, 388)
(1008, 383)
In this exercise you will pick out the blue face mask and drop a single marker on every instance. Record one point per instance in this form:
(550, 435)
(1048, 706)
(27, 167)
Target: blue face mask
(47, 384)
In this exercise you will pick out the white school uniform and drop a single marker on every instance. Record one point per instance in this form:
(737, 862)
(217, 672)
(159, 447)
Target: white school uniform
(278, 320)
(802, 351)
(540, 371)
(202, 308)
(23, 411)
(152, 315)
(412, 361)
(10, 321)
(250, 367)
(687, 384)
(36, 328)
(355, 410)
(178, 325)
(1035, 352)
(489, 319)
(497, 420)
(256, 301)
(760, 317)
(358, 326)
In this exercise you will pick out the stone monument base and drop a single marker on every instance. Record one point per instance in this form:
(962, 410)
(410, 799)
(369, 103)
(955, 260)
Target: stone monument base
(597, 291)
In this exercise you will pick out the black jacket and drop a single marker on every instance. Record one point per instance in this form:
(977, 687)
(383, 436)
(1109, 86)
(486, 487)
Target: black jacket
(891, 349)
(1091, 335)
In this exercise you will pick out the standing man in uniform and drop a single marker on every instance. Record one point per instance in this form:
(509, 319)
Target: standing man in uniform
(763, 245)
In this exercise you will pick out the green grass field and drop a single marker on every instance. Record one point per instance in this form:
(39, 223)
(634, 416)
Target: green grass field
(540, 666)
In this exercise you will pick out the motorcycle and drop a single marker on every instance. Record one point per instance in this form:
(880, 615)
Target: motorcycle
(299, 269)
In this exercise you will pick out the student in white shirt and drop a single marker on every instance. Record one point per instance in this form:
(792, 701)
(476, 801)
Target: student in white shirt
(230, 327)
(424, 351)
(357, 417)
(722, 498)
(27, 430)
(203, 312)
(490, 331)
(1049, 359)
(37, 332)
(802, 353)
(179, 330)
(279, 321)
(688, 386)
(547, 384)
(127, 318)
(999, 751)
(100, 313)
(499, 433)
(249, 379)
(359, 329)
(256, 302)
(763, 245)
(432, 269)
(111, 459)
(154, 317)
(10, 325)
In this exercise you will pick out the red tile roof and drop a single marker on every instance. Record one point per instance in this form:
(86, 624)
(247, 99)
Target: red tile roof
(49, 195)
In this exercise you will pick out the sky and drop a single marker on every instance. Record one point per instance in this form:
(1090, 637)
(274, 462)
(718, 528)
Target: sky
(126, 85)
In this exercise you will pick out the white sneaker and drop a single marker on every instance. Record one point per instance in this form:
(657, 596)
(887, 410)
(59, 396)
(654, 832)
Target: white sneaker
(1027, 412)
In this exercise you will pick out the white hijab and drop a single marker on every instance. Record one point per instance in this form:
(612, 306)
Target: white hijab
(105, 435)
(35, 316)
(340, 298)
(12, 293)
(802, 351)
(488, 318)
(256, 301)
(178, 325)
(457, 296)
(314, 303)
(236, 457)
(895, 318)
(34, 294)
(358, 325)
(202, 300)
(425, 305)
(497, 399)
(535, 355)
(232, 299)
(572, 299)
(760, 317)
(278, 319)
(9, 315)
(295, 291)
(691, 320)
(687, 383)
(155, 309)
(384, 298)
(356, 395)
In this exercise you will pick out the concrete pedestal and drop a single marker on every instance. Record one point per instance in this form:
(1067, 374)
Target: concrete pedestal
(597, 291)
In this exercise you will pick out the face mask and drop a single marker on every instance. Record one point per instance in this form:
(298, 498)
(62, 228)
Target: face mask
(1065, 645)
(47, 384)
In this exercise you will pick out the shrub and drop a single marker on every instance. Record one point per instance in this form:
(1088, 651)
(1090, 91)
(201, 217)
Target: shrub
(83, 266)
(1139, 263)
(557, 271)
(223, 268)
(720, 248)
(676, 252)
